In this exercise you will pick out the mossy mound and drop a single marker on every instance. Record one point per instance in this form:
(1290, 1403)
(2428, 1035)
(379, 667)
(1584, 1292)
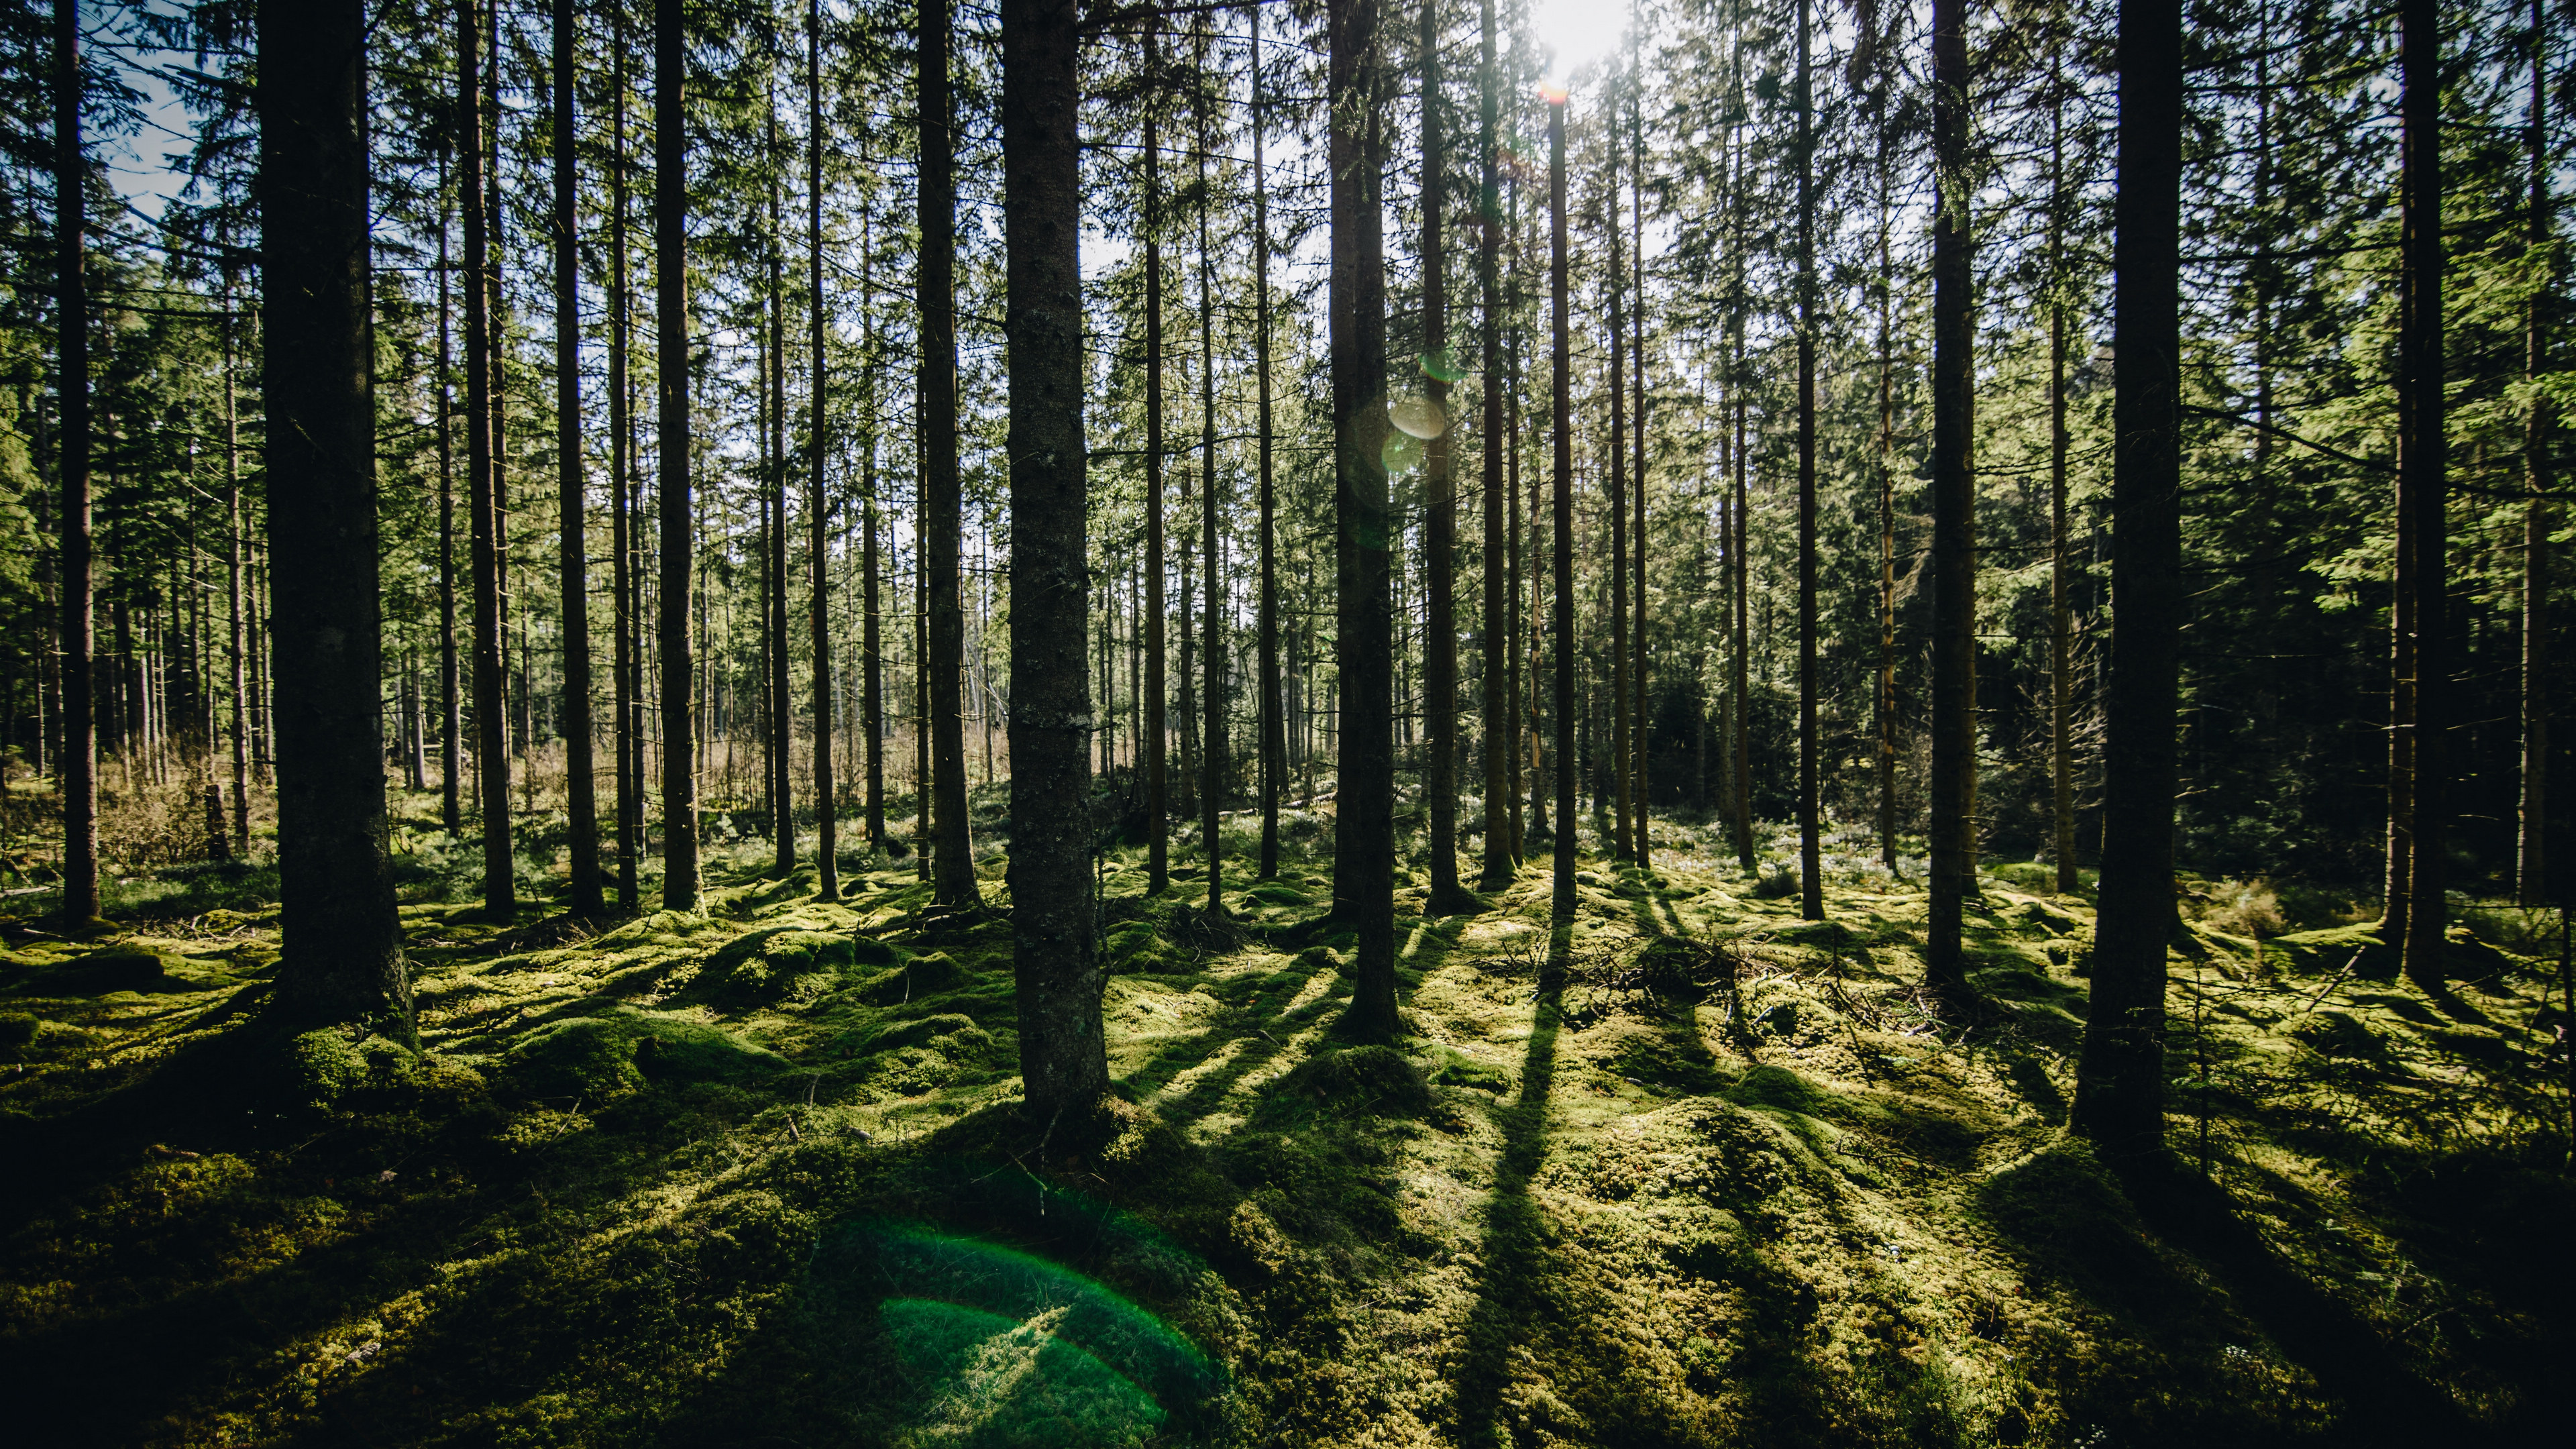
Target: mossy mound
(117, 968)
(917, 979)
(624, 1049)
(779, 963)
(1359, 1080)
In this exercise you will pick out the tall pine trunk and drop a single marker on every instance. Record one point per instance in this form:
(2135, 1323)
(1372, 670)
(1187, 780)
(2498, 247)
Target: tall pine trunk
(1062, 1059)
(1954, 518)
(451, 735)
(1440, 525)
(2061, 614)
(79, 628)
(1274, 731)
(781, 715)
(1614, 478)
(1158, 827)
(1641, 833)
(1500, 706)
(1212, 616)
(2531, 879)
(482, 474)
(1363, 522)
(679, 544)
(2423, 465)
(1811, 873)
(624, 541)
(581, 801)
(344, 960)
(1561, 420)
(233, 522)
(952, 858)
(827, 840)
(2119, 1098)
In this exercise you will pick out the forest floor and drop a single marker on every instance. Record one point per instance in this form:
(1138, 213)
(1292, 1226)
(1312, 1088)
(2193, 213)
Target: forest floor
(1713, 1176)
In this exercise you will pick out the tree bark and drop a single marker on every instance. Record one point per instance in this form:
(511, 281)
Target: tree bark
(1363, 526)
(1641, 834)
(952, 857)
(625, 539)
(1440, 527)
(782, 707)
(818, 512)
(679, 512)
(1062, 1057)
(482, 476)
(233, 523)
(451, 706)
(1499, 715)
(581, 801)
(1274, 733)
(2423, 466)
(1811, 873)
(2531, 879)
(1954, 515)
(2119, 1099)
(1614, 479)
(79, 758)
(344, 959)
(1561, 410)
(1158, 826)
(2061, 616)
(1212, 618)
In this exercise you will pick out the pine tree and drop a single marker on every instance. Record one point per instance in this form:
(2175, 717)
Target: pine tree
(344, 960)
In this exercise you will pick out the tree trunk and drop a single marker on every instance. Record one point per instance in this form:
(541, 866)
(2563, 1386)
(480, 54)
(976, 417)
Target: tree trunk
(233, 524)
(827, 839)
(1057, 970)
(1641, 833)
(679, 509)
(580, 790)
(1885, 702)
(953, 861)
(2531, 879)
(79, 759)
(482, 475)
(344, 960)
(782, 708)
(1158, 826)
(1274, 733)
(1363, 524)
(1954, 514)
(2061, 615)
(623, 522)
(1811, 873)
(2119, 1098)
(2423, 466)
(1614, 481)
(1440, 527)
(1561, 419)
(1741, 781)
(872, 620)
(1499, 712)
(451, 739)
(1212, 751)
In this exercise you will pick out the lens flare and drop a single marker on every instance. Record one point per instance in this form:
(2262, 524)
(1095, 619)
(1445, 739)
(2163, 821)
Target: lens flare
(1402, 453)
(1418, 417)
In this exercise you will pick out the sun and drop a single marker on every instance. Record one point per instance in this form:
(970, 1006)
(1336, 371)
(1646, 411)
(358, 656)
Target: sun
(1574, 33)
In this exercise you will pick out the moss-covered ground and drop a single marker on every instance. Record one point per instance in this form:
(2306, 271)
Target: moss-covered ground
(1687, 1172)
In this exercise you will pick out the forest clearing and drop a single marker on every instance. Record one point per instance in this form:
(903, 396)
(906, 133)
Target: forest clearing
(1219, 722)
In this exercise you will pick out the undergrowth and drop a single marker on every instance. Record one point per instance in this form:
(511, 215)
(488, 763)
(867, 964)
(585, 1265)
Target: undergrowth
(1687, 1171)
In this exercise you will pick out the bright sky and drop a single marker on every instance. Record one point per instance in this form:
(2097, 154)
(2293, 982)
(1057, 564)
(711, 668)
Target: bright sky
(1574, 33)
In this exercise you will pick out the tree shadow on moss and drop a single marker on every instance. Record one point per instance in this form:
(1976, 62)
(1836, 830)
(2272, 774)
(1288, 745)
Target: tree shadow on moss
(1513, 1247)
